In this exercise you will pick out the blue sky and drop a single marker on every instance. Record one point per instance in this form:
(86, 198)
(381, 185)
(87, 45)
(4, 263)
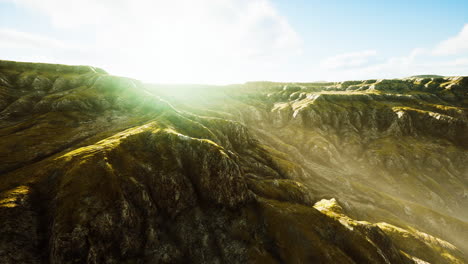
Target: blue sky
(227, 41)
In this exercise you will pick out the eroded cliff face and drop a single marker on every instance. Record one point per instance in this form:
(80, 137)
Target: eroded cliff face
(103, 169)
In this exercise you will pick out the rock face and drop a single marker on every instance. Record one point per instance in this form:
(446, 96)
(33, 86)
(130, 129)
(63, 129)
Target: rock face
(103, 169)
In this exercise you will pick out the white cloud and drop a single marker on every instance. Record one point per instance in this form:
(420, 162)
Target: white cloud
(352, 59)
(456, 63)
(418, 61)
(181, 40)
(24, 46)
(436, 60)
(11, 38)
(454, 45)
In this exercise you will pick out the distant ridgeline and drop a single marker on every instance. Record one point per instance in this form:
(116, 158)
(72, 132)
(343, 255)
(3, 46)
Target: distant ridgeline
(46, 67)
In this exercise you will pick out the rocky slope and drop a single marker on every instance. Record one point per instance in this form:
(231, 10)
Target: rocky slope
(103, 169)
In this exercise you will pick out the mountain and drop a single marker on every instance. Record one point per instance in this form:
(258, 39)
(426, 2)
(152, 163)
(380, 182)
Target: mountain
(427, 76)
(104, 169)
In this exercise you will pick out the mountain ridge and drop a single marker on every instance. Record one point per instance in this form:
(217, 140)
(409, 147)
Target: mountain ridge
(105, 169)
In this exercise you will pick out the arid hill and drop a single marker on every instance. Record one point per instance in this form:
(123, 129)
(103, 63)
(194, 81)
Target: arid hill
(97, 168)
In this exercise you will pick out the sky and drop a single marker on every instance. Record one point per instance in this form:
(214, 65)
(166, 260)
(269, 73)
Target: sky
(234, 41)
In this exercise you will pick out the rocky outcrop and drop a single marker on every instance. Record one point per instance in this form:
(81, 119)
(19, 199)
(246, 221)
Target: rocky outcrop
(104, 169)
(414, 244)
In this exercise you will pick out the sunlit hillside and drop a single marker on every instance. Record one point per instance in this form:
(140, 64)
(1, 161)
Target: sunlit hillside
(104, 169)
